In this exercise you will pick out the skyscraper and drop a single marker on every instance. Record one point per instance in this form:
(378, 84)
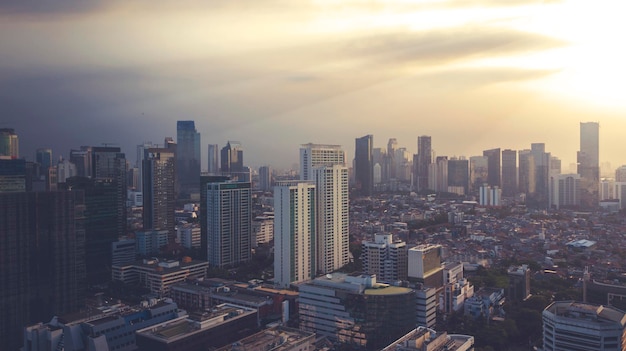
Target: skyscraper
(44, 158)
(159, 190)
(42, 259)
(213, 152)
(494, 167)
(101, 223)
(265, 178)
(109, 164)
(589, 163)
(509, 172)
(294, 232)
(526, 172)
(325, 165)
(424, 158)
(139, 162)
(232, 157)
(227, 217)
(391, 164)
(82, 159)
(9, 143)
(187, 158)
(541, 160)
(458, 176)
(479, 171)
(364, 165)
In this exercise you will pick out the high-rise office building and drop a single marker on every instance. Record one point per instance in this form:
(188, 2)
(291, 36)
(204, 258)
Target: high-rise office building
(509, 172)
(294, 232)
(213, 153)
(65, 170)
(541, 159)
(364, 165)
(620, 174)
(159, 190)
(265, 178)
(101, 223)
(390, 160)
(526, 172)
(44, 158)
(494, 168)
(385, 258)
(519, 283)
(187, 158)
(232, 157)
(227, 216)
(569, 325)
(589, 163)
(479, 170)
(425, 265)
(82, 159)
(42, 259)
(424, 158)
(325, 165)
(356, 311)
(139, 162)
(438, 174)
(9, 143)
(109, 164)
(458, 176)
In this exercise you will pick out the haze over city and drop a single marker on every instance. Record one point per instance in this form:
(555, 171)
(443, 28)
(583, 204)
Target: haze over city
(275, 74)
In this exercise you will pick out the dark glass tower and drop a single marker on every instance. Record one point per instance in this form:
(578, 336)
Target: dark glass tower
(509, 172)
(42, 259)
(458, 174)
(44, 158)
(109, 164)
(424, 158)
(187, 159)
(364, 165)
(493, 167)
(102, 219)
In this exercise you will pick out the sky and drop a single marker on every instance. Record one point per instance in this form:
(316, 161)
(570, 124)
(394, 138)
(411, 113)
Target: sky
(275, 74)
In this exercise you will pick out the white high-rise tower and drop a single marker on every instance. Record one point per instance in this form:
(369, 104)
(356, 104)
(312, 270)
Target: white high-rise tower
(294, 232)
(326, 166)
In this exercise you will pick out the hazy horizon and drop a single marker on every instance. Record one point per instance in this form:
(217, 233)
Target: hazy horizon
(275, 74)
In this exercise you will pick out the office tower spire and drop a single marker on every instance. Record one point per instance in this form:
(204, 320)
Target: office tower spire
(187, 158)
(364, 165)
(325, 165)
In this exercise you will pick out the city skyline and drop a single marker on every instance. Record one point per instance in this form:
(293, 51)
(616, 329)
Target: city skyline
(474, 75)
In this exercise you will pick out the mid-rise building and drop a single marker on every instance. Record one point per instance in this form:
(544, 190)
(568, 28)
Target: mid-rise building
(111, 327)
(150, 242)
(159, 276)
(294, 232)
(189, 235)
(356, 310)
(426, 305)
(519, 283)
(565, 191)
(222, 325)
(123, 252)
(263, 228)
(489, 196)
(426, 339)
(425, 265)
(275, 339)
(385, 258)
(569, 325)
(485, 304)
(226, 213)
